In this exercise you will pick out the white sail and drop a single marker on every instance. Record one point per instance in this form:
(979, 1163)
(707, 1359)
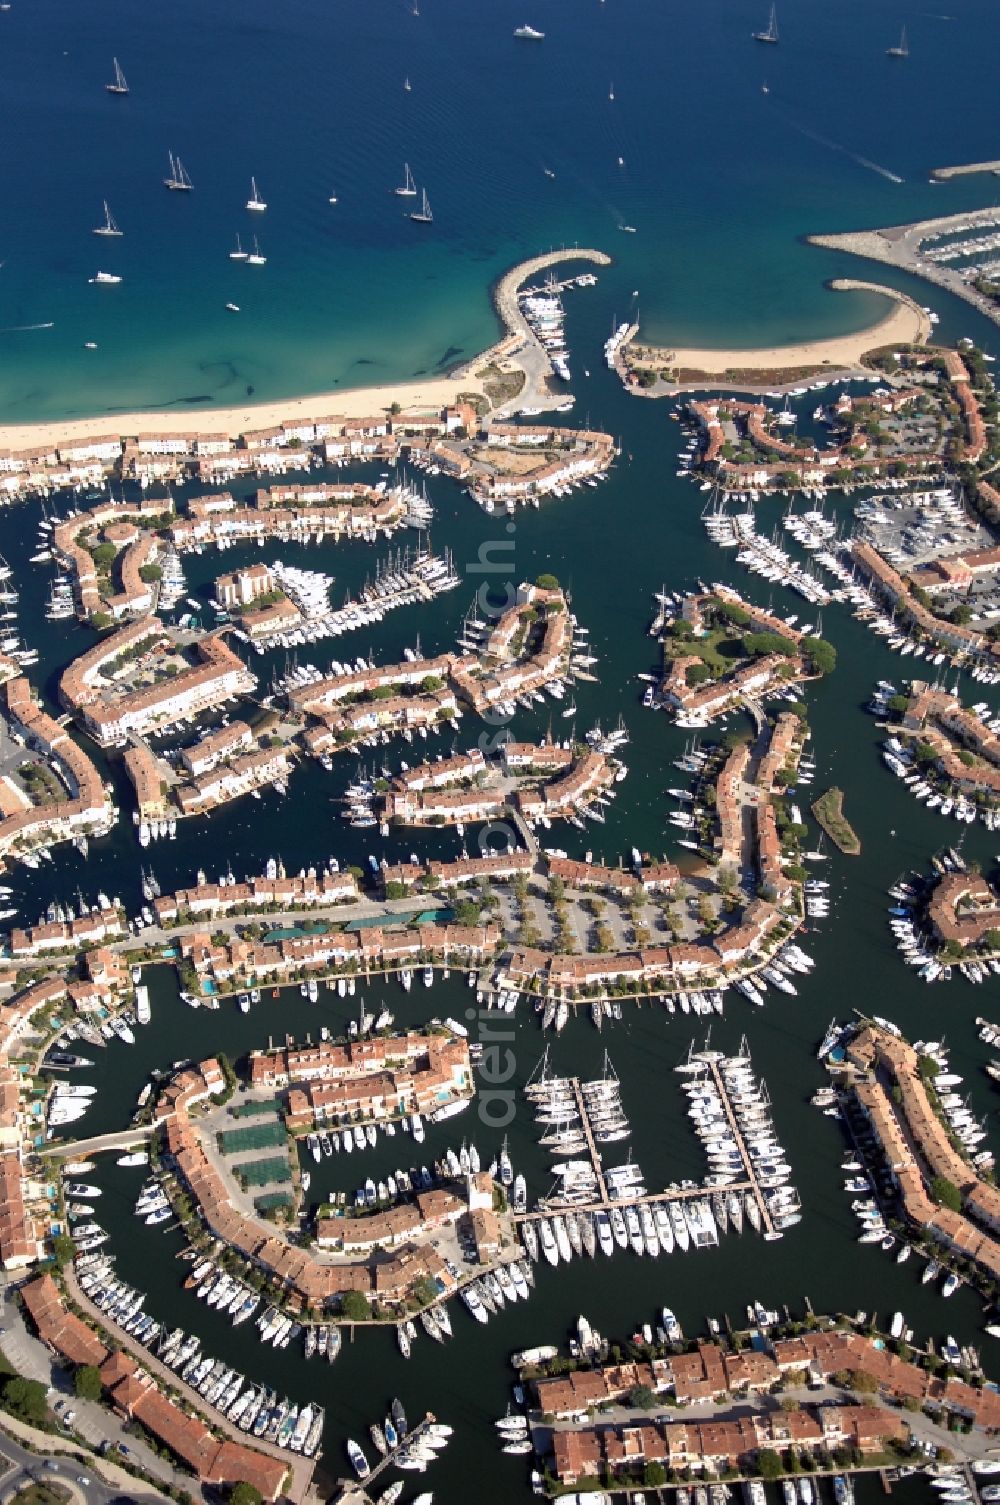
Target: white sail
(110, 226)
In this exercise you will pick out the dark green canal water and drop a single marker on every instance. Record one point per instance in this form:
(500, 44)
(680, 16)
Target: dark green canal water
(613, 547)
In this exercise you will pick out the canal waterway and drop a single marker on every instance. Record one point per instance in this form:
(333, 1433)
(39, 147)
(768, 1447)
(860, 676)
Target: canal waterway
(612, 547)
(721, 181)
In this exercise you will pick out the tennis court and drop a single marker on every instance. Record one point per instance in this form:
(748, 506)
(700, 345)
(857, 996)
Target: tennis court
(252, 1137)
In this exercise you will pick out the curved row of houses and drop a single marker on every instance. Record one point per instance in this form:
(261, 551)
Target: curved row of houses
(88, 808)
(113, 717)
(917, 1149)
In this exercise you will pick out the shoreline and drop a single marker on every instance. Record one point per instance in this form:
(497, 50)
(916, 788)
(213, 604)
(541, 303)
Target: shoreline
(905, 324)
(964, 170)
(900, 246)
(430, 393)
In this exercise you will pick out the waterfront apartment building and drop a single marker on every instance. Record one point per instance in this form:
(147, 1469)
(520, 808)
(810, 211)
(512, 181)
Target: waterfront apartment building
(232, 779)
(309, 892)
(963, 908)
(113, 719)
(88, 806)
(712, 1447)
(890, 586)
(147, 781)
(914, 1122)
(216, 746)
(940, 720)
(244, 586)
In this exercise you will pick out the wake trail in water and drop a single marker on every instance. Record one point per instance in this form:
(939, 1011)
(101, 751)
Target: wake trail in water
(845, 151)
(21, 328)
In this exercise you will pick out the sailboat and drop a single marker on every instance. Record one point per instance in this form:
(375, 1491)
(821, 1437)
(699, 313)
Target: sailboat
(903, 50)
(771, 34)
(423, 216)
(409, 188)
(255, 201)
(255, 259)
(239, 254)
(178, 179)
(611, 93)
(110, 226)
(407, 85)
(119, 86)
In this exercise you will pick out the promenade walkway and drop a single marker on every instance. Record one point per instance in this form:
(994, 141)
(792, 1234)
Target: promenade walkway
(301, 1468)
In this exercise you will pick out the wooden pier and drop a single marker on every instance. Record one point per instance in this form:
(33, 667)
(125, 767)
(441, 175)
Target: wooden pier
(401, 1446)
(767, 1222)
(747, 1184)
(588, 1133)
(682, 1194)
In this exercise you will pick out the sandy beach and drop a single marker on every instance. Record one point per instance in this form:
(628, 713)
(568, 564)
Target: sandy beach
(427, 395)
(905, 324)
(357, 402)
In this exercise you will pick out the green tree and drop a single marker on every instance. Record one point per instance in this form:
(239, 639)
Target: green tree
(947, 1193)
(820, 655)
(642, 1397)
(87, 1382)
(547, 583)
(26, 1399)
(104, 555)
(355, 1306)
(769, 1463)
(654, 1475)
(755, 644)
(244, 1494)
(63, 1249)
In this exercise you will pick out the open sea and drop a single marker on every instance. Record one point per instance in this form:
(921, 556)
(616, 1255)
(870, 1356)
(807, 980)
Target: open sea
(719, 179)
(721, 182)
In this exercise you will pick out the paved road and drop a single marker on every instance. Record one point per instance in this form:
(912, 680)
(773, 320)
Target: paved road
(22, 1467)
(92, 1421)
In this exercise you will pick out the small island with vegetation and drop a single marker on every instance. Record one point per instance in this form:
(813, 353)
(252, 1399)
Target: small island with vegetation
(829, 811)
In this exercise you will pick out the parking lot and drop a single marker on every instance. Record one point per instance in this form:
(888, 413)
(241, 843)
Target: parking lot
(914, 531)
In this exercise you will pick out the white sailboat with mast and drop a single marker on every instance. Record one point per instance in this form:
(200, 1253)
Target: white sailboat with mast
(177, 179)
(408, 190)
(119, 86)
(110, 226)
(255, 202)
(255, 259)
(423, 215)
(238, 254)
(771, 34)
(902, 50)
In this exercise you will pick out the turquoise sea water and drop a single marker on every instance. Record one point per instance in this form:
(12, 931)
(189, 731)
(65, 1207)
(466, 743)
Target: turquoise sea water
(719, 179)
